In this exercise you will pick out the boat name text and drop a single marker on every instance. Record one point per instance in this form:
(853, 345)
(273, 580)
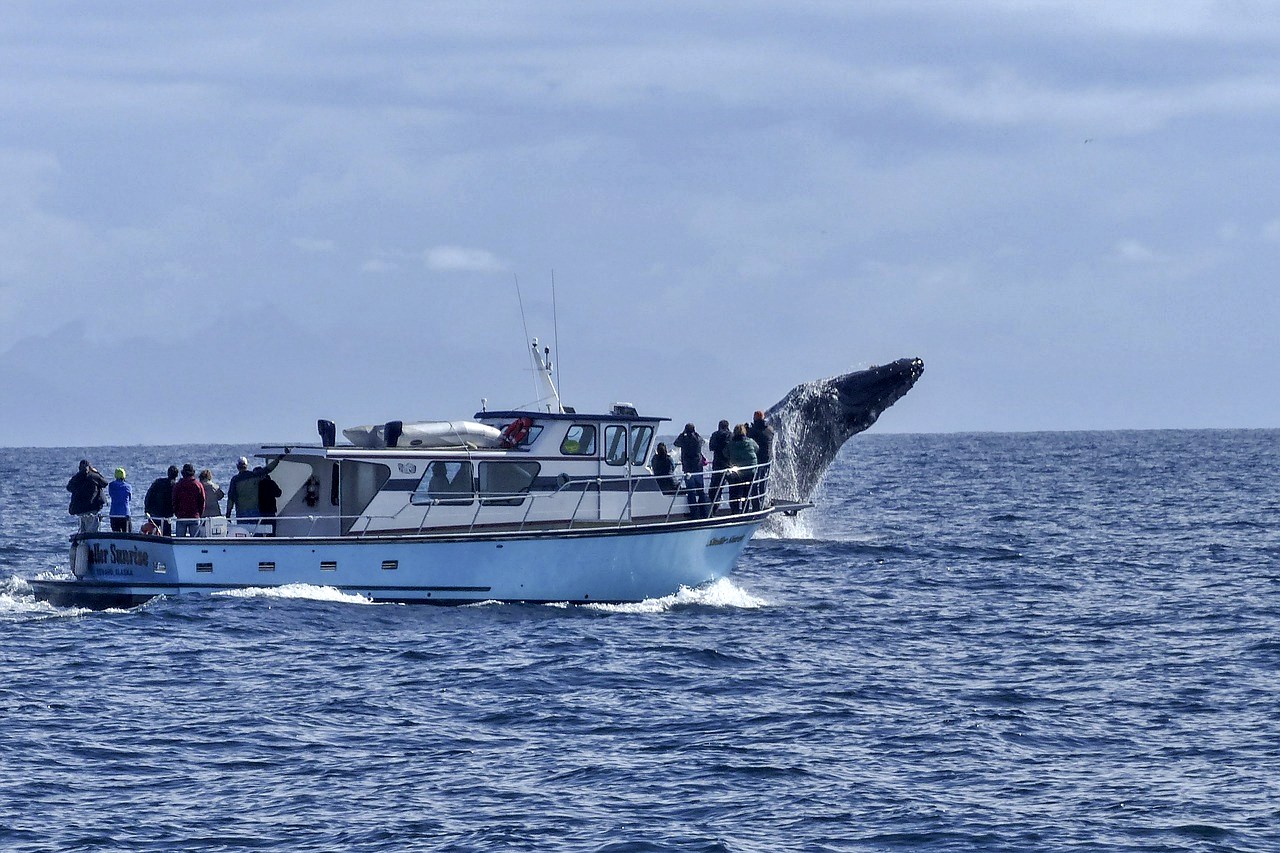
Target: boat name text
(725, 540)
(118, 556)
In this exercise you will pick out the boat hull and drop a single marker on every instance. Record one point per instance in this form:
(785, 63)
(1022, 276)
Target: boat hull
(596, 565)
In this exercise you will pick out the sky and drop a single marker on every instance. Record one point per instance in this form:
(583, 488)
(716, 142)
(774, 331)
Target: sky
(222, 221)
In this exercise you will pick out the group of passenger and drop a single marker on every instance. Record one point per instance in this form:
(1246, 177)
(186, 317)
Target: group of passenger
(180, 496)
(740, 459)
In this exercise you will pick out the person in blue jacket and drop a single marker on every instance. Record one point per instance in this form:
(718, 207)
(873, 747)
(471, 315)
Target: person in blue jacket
(121, 494)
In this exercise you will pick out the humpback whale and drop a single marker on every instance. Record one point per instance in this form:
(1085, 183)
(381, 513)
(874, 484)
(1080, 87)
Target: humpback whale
(814, 420)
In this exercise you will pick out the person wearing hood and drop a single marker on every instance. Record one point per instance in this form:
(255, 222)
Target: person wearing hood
(86, 487)
(158, 503)
(121, 497)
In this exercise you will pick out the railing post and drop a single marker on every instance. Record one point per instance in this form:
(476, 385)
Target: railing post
(582, 495)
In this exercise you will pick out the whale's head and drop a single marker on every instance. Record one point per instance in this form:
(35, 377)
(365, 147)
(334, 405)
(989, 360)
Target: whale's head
(816, 418)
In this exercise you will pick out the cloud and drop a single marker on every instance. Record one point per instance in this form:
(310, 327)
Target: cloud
(1135, 252)
(460, 259)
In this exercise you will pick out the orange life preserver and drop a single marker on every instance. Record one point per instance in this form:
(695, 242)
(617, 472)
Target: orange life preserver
(516, 432)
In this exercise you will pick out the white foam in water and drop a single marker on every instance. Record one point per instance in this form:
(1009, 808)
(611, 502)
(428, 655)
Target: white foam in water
(799, 526)
(722, 593)
(17, 601)
(297, 590)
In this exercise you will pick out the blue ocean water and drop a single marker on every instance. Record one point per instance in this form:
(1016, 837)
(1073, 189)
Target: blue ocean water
(1059, 641)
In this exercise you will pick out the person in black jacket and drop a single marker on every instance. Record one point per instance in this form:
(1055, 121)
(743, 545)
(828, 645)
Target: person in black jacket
(663, 467)
(86, 487)
(719, 447)
(268, 491)
(691, 460)
(158, 504)
(762, 434)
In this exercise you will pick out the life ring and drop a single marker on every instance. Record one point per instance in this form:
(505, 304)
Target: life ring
(516, 432)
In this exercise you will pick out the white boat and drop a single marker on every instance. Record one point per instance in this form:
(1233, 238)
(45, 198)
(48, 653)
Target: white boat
(562, 507)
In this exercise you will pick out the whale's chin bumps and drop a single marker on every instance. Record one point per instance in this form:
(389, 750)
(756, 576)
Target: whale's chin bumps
(816, 418)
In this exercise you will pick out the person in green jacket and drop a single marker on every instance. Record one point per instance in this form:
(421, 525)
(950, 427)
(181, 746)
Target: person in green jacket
(742, 456)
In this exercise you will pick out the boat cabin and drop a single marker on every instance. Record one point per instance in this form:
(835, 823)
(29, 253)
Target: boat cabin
(544, 470)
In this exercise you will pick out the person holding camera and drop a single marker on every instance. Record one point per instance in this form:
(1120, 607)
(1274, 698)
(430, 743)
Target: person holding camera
(86, 487)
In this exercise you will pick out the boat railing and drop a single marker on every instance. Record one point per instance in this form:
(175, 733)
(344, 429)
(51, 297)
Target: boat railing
(680, 488)
(686, 493)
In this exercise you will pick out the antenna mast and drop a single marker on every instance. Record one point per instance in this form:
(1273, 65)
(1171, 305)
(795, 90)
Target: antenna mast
(555, 317)
(542, 371)
(524, 325)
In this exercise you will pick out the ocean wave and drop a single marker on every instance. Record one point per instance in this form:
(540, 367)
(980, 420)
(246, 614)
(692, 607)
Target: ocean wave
(296, 590)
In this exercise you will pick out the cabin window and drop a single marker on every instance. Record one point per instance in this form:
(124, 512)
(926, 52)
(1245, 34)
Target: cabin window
(444, 482)
(615, 445)
(360, 483)
(531, 436)
(506, 483)
(640, 438)
(580, 440)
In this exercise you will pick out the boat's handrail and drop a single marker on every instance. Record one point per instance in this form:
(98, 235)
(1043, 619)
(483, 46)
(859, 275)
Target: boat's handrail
(756, 478)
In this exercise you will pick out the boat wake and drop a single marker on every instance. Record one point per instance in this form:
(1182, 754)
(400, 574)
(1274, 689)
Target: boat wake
(296, 590)
(721, 594)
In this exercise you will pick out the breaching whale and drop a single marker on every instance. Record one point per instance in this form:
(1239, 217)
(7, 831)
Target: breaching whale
(814, 420)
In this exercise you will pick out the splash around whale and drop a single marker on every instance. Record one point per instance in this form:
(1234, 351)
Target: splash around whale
(814, 420)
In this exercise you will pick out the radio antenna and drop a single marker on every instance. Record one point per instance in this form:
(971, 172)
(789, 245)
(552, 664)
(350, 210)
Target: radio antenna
(533, 361)
(555, 330)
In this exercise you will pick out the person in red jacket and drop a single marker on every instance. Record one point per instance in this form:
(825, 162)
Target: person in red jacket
(188, 502)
